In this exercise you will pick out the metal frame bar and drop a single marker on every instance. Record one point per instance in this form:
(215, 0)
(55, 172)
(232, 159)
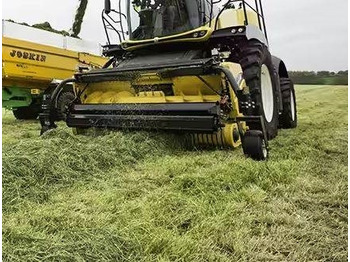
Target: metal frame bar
(188, 117)
(109, 23)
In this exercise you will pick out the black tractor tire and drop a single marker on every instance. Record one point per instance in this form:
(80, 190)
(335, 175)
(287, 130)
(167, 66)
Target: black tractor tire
(254, 145)
(63, 101)
(254, 59)
(288, 119)
(30, 112)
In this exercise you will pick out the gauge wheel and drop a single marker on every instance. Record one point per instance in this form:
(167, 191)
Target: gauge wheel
(255, 146)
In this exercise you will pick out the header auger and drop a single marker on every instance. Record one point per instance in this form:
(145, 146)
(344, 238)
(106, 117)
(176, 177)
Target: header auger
(199, 67)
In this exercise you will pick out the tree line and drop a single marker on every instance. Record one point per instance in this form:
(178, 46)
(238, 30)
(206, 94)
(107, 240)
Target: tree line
(319, 78)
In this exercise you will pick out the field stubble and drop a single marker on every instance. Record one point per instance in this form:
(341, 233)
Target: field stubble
(143, 197)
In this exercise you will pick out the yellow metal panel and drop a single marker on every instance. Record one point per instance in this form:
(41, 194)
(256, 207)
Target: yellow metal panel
(37, 47)
(26, 63)
(25, 83)
(92, 60)
(235, 17)
(191, 85)
(17, 70)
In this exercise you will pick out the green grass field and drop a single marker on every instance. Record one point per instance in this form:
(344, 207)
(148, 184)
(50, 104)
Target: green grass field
(143, 197)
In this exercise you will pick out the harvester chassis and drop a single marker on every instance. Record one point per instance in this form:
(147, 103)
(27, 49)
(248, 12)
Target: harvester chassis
(179, 117)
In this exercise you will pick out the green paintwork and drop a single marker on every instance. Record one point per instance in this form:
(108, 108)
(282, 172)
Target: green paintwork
(14, 97)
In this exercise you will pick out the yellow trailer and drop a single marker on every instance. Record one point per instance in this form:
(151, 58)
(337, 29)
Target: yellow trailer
(30, 70)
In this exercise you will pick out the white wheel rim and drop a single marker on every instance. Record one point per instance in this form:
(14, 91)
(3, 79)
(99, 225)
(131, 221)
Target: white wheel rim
(292, 105)
(267, 93)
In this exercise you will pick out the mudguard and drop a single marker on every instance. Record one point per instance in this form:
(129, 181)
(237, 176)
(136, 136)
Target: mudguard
(282, 72)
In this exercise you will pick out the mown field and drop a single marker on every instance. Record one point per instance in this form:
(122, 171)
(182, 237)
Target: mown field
(144, 197)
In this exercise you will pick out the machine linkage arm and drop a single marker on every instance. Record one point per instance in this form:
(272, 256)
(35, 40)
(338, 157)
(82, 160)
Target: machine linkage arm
(49, 107)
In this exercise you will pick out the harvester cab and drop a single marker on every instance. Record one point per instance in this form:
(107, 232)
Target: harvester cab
(197, 67)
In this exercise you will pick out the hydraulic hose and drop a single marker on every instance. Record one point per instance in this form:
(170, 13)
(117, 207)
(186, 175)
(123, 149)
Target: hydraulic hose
(108, 63)
(49, 106)
(230, 78)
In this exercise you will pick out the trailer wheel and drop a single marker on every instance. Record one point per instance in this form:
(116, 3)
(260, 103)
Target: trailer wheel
(64, 100)
(260, 76)
(30, 112)
(255, 146)
(289, 117)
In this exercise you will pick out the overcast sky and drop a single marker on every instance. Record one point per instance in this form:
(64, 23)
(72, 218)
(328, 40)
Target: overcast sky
(307, 34)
